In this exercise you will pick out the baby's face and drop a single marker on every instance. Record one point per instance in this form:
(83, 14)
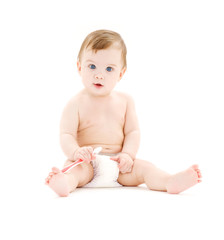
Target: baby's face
(101, 71)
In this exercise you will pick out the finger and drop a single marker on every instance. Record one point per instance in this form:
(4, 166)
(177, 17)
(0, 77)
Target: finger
(127, 168)
(123, 171)
(88, 156)
(77, 156)
(87, 152)
(81, 156)
(115, 158)
(122, 165)
(90, 151)
(91, 155)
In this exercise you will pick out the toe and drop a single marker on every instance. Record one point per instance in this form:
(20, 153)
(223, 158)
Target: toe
(47, 181)
(199, 173)
(195, 167)
(56, 170)
(48, 178)
(197, 170)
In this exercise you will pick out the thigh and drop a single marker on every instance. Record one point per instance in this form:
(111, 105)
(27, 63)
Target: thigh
(136, 176)
(84, 172)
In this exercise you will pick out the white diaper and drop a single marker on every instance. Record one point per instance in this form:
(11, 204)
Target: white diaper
(106, 172)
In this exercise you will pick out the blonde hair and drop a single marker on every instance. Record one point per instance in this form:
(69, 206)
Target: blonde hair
(103, 39)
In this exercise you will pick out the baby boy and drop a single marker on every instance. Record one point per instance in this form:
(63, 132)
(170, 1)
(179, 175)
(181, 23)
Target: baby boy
(98, 116)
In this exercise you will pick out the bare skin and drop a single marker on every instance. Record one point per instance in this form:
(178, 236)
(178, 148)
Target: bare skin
(98, 116)
(63, 184)
(154, 178)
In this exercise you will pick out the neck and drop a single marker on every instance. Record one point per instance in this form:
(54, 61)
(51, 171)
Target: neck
(95, 97)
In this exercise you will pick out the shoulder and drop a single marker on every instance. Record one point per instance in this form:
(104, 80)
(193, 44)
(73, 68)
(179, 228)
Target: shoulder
(75, 101)
(124, 96)
(72, 105)
(125, 100)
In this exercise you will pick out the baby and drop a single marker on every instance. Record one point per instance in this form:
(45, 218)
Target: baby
(98, 116)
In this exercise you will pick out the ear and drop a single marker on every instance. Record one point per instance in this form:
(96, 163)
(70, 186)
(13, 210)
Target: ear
(122, 73)
(79, 67)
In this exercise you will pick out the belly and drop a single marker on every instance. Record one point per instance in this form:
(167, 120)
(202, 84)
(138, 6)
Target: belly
(110, 139)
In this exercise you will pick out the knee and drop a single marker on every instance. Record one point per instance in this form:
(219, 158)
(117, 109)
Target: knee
(85, 172)
(68, 162)
(142, 163)
(142, 166)
(83, 169)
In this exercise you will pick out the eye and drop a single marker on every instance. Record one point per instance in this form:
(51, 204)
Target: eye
(92, 66)
(109, 69)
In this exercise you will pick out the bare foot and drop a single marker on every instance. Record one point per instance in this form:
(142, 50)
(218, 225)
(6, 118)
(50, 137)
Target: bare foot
(58, 182)
(184, 180)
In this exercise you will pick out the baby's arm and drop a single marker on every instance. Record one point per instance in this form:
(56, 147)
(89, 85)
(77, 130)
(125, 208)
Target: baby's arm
(131, 130)
(68, 129)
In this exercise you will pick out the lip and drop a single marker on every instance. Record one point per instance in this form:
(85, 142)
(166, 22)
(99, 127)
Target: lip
(98, 85)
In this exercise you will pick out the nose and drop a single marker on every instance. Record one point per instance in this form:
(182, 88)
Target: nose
(99, 76)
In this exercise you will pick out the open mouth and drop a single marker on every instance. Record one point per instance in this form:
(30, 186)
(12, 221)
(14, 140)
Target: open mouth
(98, 85)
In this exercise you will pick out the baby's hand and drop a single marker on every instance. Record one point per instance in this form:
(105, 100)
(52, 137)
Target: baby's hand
(84, 153)
(125, 162)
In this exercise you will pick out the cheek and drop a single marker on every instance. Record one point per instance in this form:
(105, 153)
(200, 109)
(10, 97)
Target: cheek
(86, 75)
(115, 76)
(113, 79)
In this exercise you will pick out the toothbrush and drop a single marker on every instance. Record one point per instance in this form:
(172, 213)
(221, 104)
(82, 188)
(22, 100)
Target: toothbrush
(76, 163)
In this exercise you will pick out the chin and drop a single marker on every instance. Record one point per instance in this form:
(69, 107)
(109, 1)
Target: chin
(104, 94)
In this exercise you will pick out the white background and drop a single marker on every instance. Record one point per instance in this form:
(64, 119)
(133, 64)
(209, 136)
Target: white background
(175, 74)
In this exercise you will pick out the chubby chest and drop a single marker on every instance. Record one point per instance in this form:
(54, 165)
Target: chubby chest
(102, 115)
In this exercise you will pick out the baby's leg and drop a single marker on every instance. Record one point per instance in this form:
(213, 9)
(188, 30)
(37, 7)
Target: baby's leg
(156, 179)
(63, 184)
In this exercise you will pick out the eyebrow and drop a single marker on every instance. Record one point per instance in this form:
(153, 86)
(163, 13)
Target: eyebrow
(89, 60)
(112, 65)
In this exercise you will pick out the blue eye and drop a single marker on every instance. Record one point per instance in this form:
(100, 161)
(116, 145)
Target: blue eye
(109, 69)
(92, 66)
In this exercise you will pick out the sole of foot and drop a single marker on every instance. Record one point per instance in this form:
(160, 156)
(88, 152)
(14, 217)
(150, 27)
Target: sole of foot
(184, 180)
(57, 181)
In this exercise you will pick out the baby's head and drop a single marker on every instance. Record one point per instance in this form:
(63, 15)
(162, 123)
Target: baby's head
(102, 61)
(104, 39)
